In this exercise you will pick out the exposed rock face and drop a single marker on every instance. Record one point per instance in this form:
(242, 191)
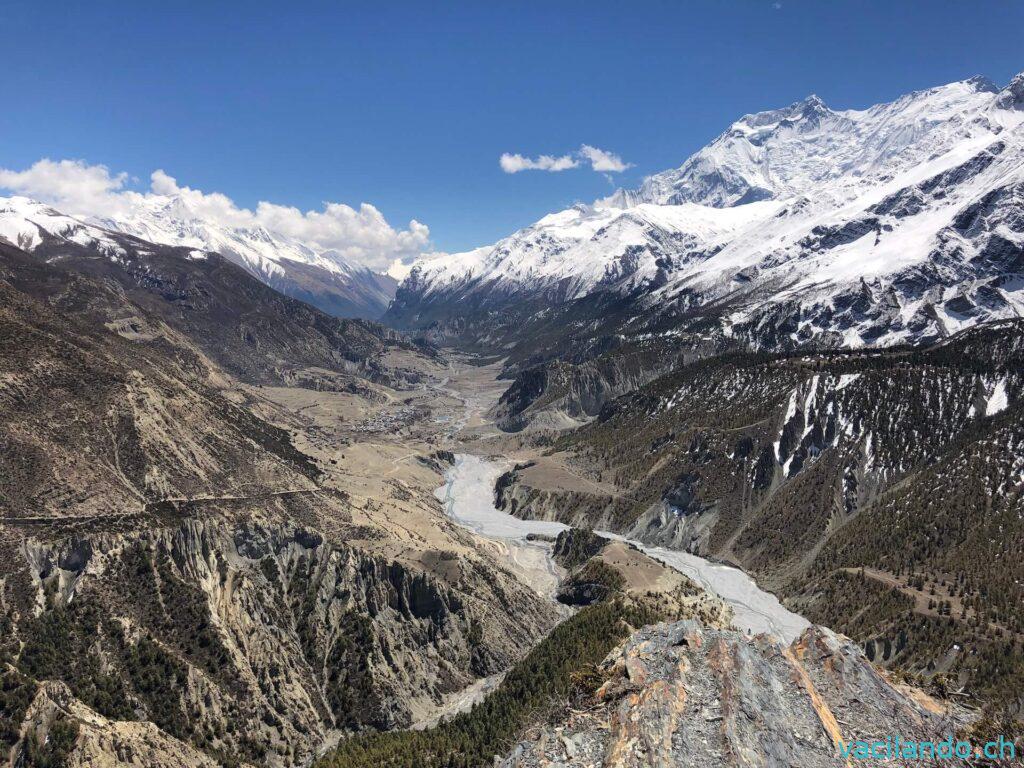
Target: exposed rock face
(684, 695)
(256, 639)
(579, 507)
(561, 394)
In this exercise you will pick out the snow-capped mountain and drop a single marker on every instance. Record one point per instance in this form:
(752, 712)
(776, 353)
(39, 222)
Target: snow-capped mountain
(898, 223)
(153, 291)
(27, 224)
(791, 151)
(324, 279)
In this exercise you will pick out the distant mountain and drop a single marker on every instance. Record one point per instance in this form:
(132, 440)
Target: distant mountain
(324, 279)
(903, 222)
(246, 327)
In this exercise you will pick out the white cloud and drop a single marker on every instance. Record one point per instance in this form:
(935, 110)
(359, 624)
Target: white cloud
(210, 206)
(603, 162)
(72, 185)
(599, 160)
(399, 270)
(361, 235)
(516, 163)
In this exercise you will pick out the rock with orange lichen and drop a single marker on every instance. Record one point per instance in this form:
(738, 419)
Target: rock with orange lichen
(682, 694)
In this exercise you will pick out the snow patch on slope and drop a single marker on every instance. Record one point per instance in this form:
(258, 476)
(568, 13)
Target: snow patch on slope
(998, 400)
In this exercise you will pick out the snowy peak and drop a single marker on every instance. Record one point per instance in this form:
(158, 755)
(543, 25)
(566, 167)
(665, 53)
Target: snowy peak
(981, 84)
(172, 219)
(26, 223)
(810, 110)
(785, 152)
(1012, 96)
(806, 224)
(325, 279)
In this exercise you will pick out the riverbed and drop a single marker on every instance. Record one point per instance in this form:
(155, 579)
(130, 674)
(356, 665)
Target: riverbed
(468, 498)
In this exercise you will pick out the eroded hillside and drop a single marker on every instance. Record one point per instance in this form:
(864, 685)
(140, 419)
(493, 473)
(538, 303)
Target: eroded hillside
(190, 573)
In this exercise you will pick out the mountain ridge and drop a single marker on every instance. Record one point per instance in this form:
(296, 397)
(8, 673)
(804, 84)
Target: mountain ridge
(803, 226)
(323, 278)
(250, 329)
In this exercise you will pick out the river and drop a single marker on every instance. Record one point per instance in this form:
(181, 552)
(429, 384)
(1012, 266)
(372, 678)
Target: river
(468, 498)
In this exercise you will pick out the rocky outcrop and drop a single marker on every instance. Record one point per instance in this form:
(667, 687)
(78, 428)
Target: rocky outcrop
(66, 732)
(578, 508)
(575, 546)
(681, 694)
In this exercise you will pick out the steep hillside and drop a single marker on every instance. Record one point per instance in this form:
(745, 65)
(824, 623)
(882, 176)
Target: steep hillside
(612, 686)
(563, 393)
(807, 468)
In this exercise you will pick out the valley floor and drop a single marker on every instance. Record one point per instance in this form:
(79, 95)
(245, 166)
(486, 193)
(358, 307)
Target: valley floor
(460, 405)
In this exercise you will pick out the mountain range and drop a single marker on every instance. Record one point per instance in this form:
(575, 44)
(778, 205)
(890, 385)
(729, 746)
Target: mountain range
(325, 279)
(800, 353)
(800, 226)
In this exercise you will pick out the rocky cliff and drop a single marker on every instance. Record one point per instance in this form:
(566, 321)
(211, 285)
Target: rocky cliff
(559, 394)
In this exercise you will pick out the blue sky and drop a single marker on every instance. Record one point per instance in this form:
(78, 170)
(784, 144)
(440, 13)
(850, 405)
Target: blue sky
(409, 107)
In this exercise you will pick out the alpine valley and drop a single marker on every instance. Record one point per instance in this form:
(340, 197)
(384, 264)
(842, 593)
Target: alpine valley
(724, 470)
